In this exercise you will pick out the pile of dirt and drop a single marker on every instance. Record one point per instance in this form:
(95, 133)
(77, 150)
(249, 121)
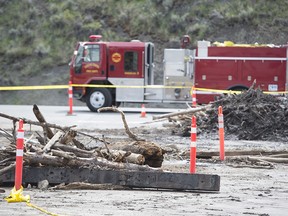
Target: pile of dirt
(251, 115)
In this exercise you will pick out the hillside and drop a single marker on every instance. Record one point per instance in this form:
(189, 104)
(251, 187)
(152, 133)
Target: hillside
(38, 37)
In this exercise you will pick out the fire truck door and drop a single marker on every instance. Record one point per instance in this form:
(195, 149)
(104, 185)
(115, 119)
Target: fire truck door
(93, 64)
(89, 62)
(149, 64)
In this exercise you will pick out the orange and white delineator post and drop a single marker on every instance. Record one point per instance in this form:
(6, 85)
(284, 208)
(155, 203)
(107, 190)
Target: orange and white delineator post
(194, 103)
(143, 111)
(19, 156)
(193, 138)
(70, 93)
(16, 192)
(221, 133)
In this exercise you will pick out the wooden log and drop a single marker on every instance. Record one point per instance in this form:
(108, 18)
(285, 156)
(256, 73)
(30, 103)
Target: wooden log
(209, 154)
(269, 159)
(127, 130)
(153, 153)
(92, 137)
(7, 135)
(27, 121)
(88, 186)
(5, 160)
(78, 152)
(184, 112)
(123, 156)
(112, 155)
(7, 168)
(258, 159)
(44, 159)
(71, 161)
(280, 155)
(68, 155)
(135, 159)
(68, 137)
(41, 119)
(52, 142)
(78, 144)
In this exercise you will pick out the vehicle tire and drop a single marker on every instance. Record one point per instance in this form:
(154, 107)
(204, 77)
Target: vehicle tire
(98, 98)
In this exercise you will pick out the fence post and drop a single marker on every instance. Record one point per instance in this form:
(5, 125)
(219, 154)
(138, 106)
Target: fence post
(193, 137)
(221, 133)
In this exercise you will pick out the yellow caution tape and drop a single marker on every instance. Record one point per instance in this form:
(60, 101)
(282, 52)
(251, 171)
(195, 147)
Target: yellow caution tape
(123, 86)
(11, 88)
(45, 87)
(218, 91)
(8, 88)
(17, 196)
(237, 92)
(278, 92)
(41, 209)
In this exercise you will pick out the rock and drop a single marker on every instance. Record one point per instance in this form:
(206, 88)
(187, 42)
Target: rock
(43, 185)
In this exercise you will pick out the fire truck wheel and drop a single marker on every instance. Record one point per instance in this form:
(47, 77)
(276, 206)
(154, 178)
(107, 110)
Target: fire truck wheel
(98, 98)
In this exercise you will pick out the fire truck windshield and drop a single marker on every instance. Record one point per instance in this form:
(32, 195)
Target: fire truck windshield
(86, 53)
(91, 53)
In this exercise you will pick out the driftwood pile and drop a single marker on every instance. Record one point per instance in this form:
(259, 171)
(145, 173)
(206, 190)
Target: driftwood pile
(254, 115)
(64, 147)
(251, 115)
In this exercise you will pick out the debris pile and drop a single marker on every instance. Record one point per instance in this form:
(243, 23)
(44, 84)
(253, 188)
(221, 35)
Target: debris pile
(66, 147)
(254, 115)
(251, 115)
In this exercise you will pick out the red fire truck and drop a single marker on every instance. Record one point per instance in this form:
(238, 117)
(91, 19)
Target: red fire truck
(108, 73)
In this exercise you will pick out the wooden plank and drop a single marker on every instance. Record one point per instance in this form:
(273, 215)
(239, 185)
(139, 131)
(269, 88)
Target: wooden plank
(210, 154)
(52, 141)
(157, 180)
(174, 181)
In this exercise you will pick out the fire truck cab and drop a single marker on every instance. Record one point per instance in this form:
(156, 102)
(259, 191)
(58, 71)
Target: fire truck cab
(115, 72)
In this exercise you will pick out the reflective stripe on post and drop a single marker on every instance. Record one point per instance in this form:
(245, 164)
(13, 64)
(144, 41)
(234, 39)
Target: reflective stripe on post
(19, 152)
(70, 93)
(193, 138)
(19, 156)
(221, 133)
